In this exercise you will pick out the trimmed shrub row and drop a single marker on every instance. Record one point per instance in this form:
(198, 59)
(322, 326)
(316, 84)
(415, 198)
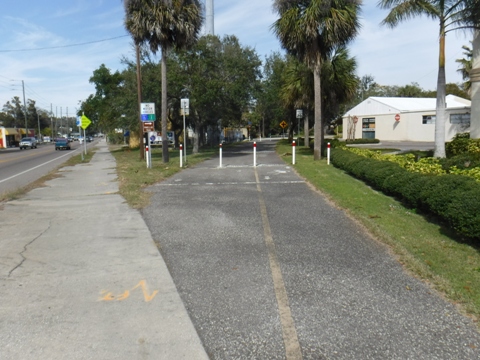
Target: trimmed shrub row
(454, 199)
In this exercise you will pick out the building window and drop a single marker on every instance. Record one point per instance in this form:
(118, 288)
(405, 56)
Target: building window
(368, 128)
(463, 119)
(428, 119)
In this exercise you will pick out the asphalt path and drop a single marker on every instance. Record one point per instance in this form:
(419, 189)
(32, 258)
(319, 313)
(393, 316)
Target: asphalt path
(268, 269)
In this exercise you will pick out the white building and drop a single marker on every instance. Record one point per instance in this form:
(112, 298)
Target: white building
(404, 119)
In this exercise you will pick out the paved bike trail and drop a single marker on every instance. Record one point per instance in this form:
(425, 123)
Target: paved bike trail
(268, 269)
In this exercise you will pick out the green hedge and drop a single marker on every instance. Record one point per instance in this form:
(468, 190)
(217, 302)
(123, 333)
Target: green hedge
(454, 199)
(362, 141)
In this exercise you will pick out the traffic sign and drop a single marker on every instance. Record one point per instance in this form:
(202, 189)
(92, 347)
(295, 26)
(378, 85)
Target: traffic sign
(85, 122)
(184, 107)
(283, 124)
(148, 126)
(299, 113)
(147, 112)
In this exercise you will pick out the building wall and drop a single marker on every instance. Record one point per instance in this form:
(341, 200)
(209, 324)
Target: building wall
(410, 127)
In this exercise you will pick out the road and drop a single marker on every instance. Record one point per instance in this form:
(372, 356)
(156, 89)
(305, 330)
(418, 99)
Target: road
(19, 168)
(268, 269)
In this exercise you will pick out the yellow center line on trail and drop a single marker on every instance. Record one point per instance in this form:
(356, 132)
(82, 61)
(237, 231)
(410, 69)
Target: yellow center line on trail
(290, 338)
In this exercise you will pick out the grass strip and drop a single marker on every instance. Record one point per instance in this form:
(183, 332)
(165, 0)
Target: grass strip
(134, 176)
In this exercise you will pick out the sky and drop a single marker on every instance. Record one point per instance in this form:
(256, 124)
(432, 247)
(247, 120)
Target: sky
(53, 46)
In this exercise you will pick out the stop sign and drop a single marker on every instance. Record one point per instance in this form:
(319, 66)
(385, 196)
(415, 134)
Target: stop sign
(397, 117)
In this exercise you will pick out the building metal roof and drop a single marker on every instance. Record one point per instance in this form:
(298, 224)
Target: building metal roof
(375, 105)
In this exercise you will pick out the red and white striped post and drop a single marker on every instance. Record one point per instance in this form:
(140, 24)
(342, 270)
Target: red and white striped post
(181, 155)
(254, 154)
(328, 153)
(293, 152)
(147, 156)
(220, 155)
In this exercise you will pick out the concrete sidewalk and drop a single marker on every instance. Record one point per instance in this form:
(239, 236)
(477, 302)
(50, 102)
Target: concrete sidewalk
(81, 278)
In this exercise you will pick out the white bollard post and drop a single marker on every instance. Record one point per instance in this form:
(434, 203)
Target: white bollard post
(328, 154)
(181, 155)
(147, 155)
(220, 155)
(293, 152)
(254, 154)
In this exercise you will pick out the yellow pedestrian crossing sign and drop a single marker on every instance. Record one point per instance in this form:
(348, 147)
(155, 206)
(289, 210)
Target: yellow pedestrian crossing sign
(85, 122)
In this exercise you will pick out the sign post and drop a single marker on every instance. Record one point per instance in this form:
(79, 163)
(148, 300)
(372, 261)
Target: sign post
(299, 116)
(85, 123)
(185, 109)
(283, 125)
(147, 115)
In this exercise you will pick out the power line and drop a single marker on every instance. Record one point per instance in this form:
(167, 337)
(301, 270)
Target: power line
(64, 46)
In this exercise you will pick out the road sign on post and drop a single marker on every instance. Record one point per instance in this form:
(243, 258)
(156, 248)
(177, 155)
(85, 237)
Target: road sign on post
(184, 107)
(147, 111)
(85, 122)
(299, 113)
(148, 126)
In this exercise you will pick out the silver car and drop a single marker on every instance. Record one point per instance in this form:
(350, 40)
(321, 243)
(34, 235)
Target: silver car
(30, 142)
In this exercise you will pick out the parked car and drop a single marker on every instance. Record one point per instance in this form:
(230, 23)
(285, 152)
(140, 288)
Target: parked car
(30, 142)
(62, 143)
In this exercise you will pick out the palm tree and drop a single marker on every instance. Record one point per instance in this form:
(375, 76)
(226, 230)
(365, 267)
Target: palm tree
(297, 90)
(339, 82)
(466, 67)
(339, 85)
(163, 24)
(451, 15)
(310, 30)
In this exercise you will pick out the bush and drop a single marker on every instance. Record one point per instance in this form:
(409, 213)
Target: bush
(462, 161)
(462, 144)
(362, 141)
(454, 199)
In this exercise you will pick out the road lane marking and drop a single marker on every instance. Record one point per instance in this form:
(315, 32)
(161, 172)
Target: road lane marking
(36, 167)
(290, 338)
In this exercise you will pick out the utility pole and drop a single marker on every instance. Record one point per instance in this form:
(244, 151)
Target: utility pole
(38, 120)
(25, 109)
(51, 122)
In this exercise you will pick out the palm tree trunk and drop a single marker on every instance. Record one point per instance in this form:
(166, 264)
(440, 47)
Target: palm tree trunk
(440, 110)
(164, 106)
(318, 127)
(306, 130)
(139, 97)
(196, 138)
(475, 79)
